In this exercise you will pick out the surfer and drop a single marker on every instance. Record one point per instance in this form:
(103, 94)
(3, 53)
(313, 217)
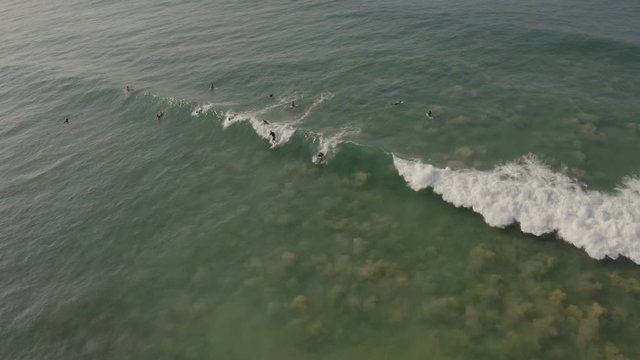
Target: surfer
(293, 104)
(66, 120)
(160, 115)
(399, 102)
(270, 95)
(211, 87)
(199, 110)
(128, 89)
(273, 136)
(429, 114)
(319, 157)
(265, 122)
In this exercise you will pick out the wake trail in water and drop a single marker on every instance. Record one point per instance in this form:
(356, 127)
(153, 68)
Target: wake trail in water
(322, 98)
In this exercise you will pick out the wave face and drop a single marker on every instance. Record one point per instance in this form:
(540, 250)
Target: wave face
(541, 201)
(524, 192)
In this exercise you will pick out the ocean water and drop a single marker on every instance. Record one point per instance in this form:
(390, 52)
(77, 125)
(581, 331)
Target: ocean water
(506, 225)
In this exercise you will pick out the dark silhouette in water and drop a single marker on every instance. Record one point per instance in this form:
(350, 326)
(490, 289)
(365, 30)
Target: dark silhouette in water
(270, 95)
(160, 115)
(66, 120)
(273, 136)
(429, 114)
(293, 104)
(265, 122)
(399, 102)
(319, 157)
(211, 87)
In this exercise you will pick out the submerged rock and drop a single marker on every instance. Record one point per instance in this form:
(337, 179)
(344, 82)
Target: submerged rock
(315, 329)
(574, 312)
(629, 285)
(597, 311)
(375, 270)
(465, 152)
(288, 258)
(588, 329)
(588, 285)
(472, 318)
(284, 219)
(518, 311)
(370, 303)
(398, 313)
(353, 301)
(480, 257)
(358, 246)
(360, 178)
(558, 296)
(611, 352)
(299, 303)
(442, 307)
(336, 293)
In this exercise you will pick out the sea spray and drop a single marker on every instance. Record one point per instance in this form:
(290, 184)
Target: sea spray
(328, 145)
(541, 201)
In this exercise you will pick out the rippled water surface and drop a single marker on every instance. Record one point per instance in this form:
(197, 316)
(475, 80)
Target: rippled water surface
(486, 230)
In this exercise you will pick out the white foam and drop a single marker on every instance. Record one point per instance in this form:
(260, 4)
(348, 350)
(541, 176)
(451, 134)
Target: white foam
(328, 145)
(319, 100)
(283, 132)
(202, 109)
(541, 201)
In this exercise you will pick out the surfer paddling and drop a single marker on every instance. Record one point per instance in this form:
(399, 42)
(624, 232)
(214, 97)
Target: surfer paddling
(399, 102)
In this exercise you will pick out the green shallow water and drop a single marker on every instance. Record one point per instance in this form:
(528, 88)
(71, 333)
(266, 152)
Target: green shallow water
(370, 270)
(123, 237)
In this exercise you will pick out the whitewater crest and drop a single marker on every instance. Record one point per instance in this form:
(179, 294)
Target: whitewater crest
(526, 191)
(202, 109)
(328, 145)
(325, 96)
(541, 201)
(262, 127)
(283, 131)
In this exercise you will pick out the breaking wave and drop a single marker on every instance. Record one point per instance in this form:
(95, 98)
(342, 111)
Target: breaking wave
(542, 201)
(525, 192)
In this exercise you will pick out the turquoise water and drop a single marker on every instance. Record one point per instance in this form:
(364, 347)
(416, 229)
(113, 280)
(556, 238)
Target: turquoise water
(487, 231)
